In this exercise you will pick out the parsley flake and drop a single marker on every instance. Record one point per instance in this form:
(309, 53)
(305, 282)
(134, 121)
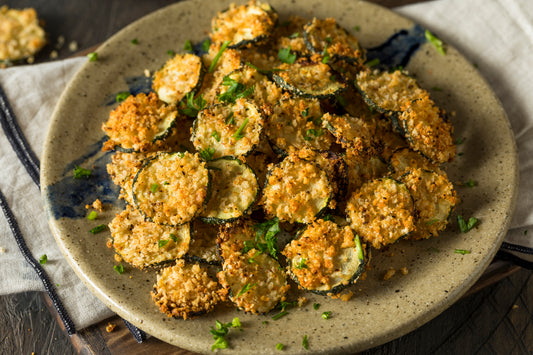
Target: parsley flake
(316, 306)
(245, 289)
(470, 183)
(285, 55)
(98, 229)
(92, 216)
(230, 119)
(279, 346)
(173, 237)
(119, 269)
(235, 90)
(238, 134)
(205, 45)
(171, 53)
(305, 342)
(220, 331)
(313, 132)
(218, 55)
(43, 259)
(135, 41)
(121, 96)
(466, 226)
(301, 264)
(305, 112)
(192, 105)
(216, 135)
(325, 55)
(81, 172)
(154, 188)
(431, 38)
(161, 243)
(207, 153)
(295, 35)
(93, 57)
(461, 251)
(187, 46)
(373, 62)
(326, 315)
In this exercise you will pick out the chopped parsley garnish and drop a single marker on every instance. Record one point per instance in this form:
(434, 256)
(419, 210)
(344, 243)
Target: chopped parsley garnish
(295, 35)
(466, 226)
(325, 55)
(460, 141)
(230, 119)
(92, 216)
(220, 331)
(135, 41)
(93, 57)
(263, 71)
(326, 315)
(173, 237)
(119, 268)
(328, 39)
(245, 289)
(313, 132)
(218, 55)
(316, 306)
(373, 62)
(279, 346)
(356, 28)
(121, 96)
(265, 238)
(187, 46)
(305, 342)
(305, 112)
(171, 53)
(207, 153)
(279, 315)
(432, 221)
(154, 187)
(285, 55)
(162, 243)
(216, 135)
(301, 264)
(431, 38)
(238, 134)
(81, 172)
(282, 306)
(235, 90)
(98, 229)
(205, 45)
(470, 183)
(43, 259)
(192, 105)
(461, 251)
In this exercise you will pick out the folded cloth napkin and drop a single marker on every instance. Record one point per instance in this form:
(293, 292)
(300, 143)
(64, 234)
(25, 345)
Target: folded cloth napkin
(495, 35)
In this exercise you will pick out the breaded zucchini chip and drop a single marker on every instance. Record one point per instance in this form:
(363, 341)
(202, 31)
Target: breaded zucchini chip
(139, 124)
(381, 212)
(325, 258)
(228, 128)
(244, 25)
(255, 281)
(21, 36)
(142, 243)
(179, 76)
(172, 188)
(186, 291)
(296, 190)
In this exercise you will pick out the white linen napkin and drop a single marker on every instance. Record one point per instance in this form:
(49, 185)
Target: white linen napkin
(497, 35)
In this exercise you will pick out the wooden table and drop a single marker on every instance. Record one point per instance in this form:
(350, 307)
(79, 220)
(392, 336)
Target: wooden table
(496, 316)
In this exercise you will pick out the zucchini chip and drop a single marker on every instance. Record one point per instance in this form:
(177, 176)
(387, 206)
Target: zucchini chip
(244, 25)
(177, 291)
(289, 34)
(139, 124)
(229, 61)
(326, 35)
(203, 246)
(234, 190)
(228, 128)
(255, 281)
(122, 170)
(381, 212)
(309, 78)
(336, 169)
(142, 243)
(426, 130)
(179, 76)
(233, 237)
(296, 191)
(352, 133)
(295, 123)
(264, 91)
(325, 258)
(172, 188)
(435, 199)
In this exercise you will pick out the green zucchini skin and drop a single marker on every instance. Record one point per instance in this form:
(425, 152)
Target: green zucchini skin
(224, 163)
(305, 252)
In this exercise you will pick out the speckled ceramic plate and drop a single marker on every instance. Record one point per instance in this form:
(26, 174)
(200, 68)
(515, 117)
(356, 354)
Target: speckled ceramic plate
(380, 310)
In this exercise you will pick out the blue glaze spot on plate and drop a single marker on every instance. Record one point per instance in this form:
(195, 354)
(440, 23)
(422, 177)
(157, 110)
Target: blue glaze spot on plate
(69, 196)
(396, 51)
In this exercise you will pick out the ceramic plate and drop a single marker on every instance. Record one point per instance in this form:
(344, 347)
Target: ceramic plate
(380, 310)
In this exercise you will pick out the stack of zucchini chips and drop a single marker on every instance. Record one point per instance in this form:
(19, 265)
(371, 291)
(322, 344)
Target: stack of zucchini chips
(279, 126)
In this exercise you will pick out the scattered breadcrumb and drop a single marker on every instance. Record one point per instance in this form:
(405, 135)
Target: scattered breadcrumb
(301, 301)
(342, 296)
(404, 271)
(110, 327)
(73, 46)
(54, 54)
(97, 205)
(60, 42)
(118, 258)
(2, 250)
(515, 306)
(390, 273)
(147, 73)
